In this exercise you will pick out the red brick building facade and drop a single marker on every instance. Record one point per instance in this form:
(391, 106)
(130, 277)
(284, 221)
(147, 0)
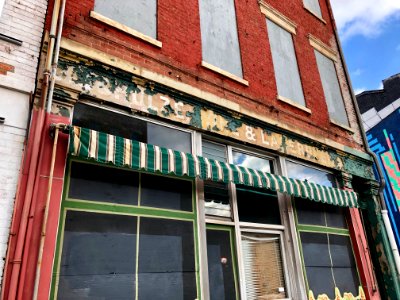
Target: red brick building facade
(251, 86)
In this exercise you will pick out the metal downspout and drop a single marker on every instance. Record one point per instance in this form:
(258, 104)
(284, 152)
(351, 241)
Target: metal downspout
(33, 164)
(57, 128)
(382, 180)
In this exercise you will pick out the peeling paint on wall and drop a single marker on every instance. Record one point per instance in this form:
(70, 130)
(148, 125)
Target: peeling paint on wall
(119, 88)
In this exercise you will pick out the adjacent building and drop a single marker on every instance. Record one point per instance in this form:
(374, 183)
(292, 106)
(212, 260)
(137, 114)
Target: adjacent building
(381, 118)
(199, 149)
(21, 30)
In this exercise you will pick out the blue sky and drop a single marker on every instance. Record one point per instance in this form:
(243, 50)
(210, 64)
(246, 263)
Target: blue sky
(370, 36)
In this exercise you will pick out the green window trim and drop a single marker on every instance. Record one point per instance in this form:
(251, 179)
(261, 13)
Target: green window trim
(323, 230)
(120, 209)
(231, 230)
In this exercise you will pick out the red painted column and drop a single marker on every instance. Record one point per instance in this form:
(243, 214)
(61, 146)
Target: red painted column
(29, 260)
(360, 247)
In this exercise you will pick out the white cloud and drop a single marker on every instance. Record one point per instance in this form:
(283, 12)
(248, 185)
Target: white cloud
(363, 17)
(359, 90)
(357, 72)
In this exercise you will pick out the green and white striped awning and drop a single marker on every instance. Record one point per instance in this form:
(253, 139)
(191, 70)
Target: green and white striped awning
(122, 152)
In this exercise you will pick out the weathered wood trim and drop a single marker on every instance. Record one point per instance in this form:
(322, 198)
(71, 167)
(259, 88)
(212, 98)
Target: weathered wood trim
(277, 17)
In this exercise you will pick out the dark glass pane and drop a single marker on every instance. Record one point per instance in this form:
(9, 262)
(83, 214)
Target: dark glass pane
(217, 199)
(169, 138)
(220, 265)
(320, 281)
(214, 151)
(166, 260)
(341, 251)
(110, 122)
(335, 216)
(98, 257)
(298, 171)
(315, 249)
(309, 212)
(166, 192)
(257, 206)
(347, 280)
(98, 183)
(253, 162)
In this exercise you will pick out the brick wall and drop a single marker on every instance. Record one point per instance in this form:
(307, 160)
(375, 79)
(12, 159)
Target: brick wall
(180, 57)
(22, 20)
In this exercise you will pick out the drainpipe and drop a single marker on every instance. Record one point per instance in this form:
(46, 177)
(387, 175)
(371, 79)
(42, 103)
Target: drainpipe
(56, 56)
(53, 157)
(57, 128)
(382, 180)
(33, 164)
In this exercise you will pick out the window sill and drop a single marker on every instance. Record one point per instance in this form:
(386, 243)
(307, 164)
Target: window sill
(125, 28)
(293, 103)
(225, 73)
(347, 128)
(314, 14)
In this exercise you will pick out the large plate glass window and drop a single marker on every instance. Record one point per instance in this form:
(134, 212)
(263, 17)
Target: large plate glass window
(121, 239)
(324, 237)
(219, 35)
(140, 15)
(123, 232)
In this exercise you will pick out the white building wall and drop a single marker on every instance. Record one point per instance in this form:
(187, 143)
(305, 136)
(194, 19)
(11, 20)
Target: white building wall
(21, 20)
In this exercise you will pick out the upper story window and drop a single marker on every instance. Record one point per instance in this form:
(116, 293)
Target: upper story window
(280, 31)
(326, 58)
(285, 64)
(330, 84)
(313, 6)
(137, 17)
(219, 37)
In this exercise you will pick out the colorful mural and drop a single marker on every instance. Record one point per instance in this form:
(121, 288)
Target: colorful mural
(384, 140)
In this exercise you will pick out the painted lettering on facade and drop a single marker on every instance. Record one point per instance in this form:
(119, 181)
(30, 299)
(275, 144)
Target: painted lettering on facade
(144, 97)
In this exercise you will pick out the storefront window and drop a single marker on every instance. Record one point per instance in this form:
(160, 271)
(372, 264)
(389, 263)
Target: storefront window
(126, 233)
(325, 241)
(254, 217)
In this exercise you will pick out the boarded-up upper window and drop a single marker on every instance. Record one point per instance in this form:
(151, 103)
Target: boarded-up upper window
(219, 37)
(285, 63)
(330, 84)
(313, 5)
(140, 15)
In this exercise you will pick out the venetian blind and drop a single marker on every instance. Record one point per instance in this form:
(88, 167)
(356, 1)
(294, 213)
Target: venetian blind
(262, 252)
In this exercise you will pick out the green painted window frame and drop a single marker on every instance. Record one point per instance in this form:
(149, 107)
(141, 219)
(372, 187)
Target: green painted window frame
(68, 204)
(323, 230)
(231, 230)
